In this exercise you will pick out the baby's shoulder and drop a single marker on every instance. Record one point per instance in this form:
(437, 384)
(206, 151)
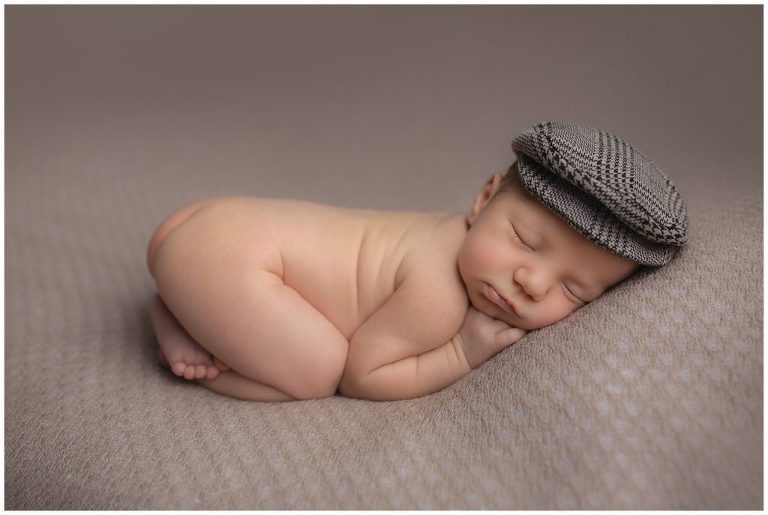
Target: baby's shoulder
(430, 273)
(433, 252)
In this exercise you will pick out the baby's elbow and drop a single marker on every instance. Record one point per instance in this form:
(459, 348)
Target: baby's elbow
(357, 386)
(351, 385)
(375, 387)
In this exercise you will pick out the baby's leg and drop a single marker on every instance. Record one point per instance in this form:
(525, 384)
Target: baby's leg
(278, 346)
(245, 316)
(177, 350)
(234, 385)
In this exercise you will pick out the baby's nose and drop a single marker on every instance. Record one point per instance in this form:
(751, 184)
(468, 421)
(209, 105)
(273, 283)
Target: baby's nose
(535, 282)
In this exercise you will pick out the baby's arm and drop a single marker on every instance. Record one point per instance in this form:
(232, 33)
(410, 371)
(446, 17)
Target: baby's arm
(401, 352)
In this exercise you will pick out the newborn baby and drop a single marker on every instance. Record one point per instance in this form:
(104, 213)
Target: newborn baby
(278, 300)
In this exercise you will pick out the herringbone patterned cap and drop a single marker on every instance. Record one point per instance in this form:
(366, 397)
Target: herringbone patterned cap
(605, 188)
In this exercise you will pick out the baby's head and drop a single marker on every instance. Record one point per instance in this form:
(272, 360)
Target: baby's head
(578, 212)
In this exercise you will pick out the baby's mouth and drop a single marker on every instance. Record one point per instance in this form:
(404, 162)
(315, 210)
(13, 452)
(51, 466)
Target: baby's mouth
(494, 296)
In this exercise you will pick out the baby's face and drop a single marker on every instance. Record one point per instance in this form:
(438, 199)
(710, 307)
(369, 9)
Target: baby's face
(524, 265)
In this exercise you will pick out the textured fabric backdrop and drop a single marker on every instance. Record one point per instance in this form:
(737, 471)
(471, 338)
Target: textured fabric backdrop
(651, 397)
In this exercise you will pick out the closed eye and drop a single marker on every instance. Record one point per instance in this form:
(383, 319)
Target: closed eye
(517, 236)
(568, 290)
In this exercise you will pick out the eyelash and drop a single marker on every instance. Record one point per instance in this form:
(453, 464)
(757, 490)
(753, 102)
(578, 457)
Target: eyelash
(517, 237)
(572, 294)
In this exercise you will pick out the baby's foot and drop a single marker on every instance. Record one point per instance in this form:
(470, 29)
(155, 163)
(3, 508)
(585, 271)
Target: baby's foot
(177, 350)
(187, 359)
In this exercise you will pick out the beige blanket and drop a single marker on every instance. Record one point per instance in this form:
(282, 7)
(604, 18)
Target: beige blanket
(651, 397)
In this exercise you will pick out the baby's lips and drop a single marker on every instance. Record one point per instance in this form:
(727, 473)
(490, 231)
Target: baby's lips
(494, 296)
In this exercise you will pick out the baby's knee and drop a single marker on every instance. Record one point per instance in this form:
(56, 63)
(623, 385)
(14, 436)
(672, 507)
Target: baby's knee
(322, 380)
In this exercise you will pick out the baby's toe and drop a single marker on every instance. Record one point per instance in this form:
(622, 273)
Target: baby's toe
(212, 373)
(200, 371)
(178, 368)
(189, 372)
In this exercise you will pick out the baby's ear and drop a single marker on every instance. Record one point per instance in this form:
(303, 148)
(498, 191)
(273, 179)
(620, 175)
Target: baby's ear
(492, 185)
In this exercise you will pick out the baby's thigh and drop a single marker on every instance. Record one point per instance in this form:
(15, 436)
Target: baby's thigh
(241, 312)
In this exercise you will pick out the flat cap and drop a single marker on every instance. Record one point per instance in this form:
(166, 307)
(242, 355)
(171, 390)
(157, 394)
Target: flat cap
(604, 188)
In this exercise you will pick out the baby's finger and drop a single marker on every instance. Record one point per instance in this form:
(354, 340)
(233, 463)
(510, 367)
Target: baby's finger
(509, 336)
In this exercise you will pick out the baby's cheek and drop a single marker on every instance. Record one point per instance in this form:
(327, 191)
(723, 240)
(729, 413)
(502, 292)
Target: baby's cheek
(468, 259)
(553, 312)
(483, 255)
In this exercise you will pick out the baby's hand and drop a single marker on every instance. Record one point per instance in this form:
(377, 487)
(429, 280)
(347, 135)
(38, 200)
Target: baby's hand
(481, 337)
